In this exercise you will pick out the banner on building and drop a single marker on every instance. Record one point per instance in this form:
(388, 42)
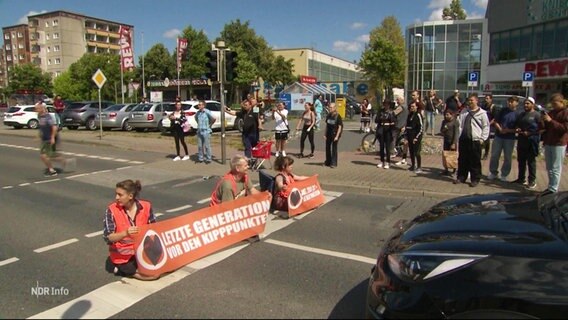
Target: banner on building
(126, 50)
(304, 195)
(181, 49)
(170, 244)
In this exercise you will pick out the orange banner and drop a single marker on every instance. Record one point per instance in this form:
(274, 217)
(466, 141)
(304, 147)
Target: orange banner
(304, 196)
(170, 244)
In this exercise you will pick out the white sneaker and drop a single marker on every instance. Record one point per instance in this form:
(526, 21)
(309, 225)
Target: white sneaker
(491, 176)
(277, 154)
(386, 166)
(380, 165)
(186, 157)
(283, 153)
(401, 162)
(417, 171)
(504, 179)
(177, 158)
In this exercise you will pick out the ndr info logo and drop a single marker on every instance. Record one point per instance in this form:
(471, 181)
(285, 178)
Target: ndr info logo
(49, 291)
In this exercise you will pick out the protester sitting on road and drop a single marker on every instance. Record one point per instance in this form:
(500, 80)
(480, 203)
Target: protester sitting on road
(235, 183)
(283, 178)
(123, 218)
(306, 124)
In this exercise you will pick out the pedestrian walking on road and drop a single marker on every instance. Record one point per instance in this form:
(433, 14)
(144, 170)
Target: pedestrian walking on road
(306, 125)
(333, 130)
(178, 120)
(555, 138)
(123, 218)
(474, 129)
(205, 121)
(49, 135)
(528, 139)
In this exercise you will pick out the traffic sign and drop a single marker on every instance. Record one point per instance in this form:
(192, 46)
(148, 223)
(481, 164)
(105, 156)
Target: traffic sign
(528, 78)
(99, 78)
(473, 78)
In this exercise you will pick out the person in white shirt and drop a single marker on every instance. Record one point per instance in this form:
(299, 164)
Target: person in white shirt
(280, 115)
(365, 116)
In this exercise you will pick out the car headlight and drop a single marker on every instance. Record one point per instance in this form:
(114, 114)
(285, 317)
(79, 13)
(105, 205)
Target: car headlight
(421, 266)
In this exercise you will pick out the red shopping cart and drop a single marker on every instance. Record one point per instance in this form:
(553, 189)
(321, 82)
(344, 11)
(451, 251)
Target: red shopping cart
(261, 152)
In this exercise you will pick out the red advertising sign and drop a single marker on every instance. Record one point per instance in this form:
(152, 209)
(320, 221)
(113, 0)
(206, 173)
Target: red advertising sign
(304, 196)
(170, 244)
(545, 69)
(126, 50)
(308, 79)
(181, 48)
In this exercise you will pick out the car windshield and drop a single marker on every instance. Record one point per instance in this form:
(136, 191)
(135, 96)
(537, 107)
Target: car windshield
(115, 107)
(13, 109)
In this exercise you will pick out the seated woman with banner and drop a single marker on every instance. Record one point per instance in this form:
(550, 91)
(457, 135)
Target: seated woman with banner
(123, 218)
(283, 178)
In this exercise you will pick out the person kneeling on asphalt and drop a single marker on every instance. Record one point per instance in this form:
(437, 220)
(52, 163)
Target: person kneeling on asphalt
(123, 218)
(283, 178)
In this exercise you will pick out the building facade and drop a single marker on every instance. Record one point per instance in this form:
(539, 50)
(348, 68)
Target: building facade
(3, 74)
(55, 40)
(535, 39)
(441, 54)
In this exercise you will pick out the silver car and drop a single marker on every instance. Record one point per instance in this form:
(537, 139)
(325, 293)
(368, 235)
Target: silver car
(116, 116)
(148, 116)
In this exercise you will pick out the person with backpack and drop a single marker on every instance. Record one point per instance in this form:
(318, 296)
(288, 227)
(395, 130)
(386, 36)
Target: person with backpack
(234, 184)
(283, 178)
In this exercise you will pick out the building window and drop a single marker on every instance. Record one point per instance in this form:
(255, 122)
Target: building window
(47, 24)
(56, 35)
(48, 62)
(20, 45)
(9, 58)
(48, 49)
(22, 57)
(20, 35)
(8, 48)
(57, 73)
(55, 22)
(47, 36)
(13, 35)
(57, 61)
(6, 36)
(56, 48)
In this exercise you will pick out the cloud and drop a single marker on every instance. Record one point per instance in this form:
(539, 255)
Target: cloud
(24, 19)
(358, 25)
(172, 33)
(364, 38)
(344, 46)
(436, 15)
(475, 15)
(482, 4)
(438, 6)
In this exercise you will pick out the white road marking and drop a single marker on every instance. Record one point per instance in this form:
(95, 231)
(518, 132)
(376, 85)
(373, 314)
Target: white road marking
(8, 261)
(158, 214)
(336, 254)
(202, 201)
(46, 181)
(94, 234)
(78, 175)
(121, 160)
(137, 162)
(179, 208)
(8, 187)
(24, 184)
(122, 168)
(56, 245)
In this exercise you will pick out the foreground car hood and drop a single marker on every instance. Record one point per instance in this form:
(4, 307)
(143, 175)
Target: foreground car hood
(503, 224)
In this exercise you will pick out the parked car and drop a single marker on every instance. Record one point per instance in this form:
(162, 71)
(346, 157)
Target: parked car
(82, 114)
(480, 256)
(25, 116)
(116, 116)
(149, 116)
(190, 108)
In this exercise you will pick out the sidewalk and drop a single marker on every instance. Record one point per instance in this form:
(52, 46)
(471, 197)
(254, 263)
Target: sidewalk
(356, 172)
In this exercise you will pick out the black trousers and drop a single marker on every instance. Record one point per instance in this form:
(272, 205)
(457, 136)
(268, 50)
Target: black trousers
(527, 151)
(385, 141)
(179, 137)
(310, 136)
(331, 152)
(415, 148)
(469, 160)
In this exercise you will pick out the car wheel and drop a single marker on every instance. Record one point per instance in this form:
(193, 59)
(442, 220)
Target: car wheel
(33, 124)
(73, 127)
(239, 124)
(91, 124)
(126, 126)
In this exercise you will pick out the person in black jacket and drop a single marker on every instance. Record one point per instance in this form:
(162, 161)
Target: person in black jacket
(414, 131)
(450, 131)
(385, 121)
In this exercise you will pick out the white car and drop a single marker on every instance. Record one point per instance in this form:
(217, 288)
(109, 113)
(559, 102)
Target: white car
(190, 109)
(25, 116)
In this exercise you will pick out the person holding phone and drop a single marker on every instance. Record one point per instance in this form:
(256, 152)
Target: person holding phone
(555, 137)
(280, 116)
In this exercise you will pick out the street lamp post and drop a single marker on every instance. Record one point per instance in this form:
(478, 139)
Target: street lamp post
(416, 36)
(221, 48)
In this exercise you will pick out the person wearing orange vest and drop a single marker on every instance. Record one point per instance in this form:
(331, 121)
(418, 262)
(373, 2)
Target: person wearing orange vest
(122, 219)
(283, 178)
(234, 184)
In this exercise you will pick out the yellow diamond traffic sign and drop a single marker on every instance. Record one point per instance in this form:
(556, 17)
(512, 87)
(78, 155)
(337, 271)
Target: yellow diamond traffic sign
(99, 78)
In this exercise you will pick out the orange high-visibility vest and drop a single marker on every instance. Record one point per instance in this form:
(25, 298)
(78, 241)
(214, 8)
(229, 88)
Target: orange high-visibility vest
(228, 176)
(122, 250)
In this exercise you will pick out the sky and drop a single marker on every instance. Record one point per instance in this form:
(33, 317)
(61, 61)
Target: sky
(336, 27)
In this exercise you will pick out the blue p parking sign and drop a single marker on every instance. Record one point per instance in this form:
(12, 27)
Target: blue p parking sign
(528, 78)
(473, 78)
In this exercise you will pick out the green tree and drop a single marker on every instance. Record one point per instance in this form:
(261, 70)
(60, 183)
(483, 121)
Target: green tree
(193, 63)
(280, 72)
(454, 12)
(382, 61)
(158, 64)
(29, 77)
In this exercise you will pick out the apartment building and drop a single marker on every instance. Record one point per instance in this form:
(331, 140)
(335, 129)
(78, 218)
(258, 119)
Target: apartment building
(55, 40)
(3, 74)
